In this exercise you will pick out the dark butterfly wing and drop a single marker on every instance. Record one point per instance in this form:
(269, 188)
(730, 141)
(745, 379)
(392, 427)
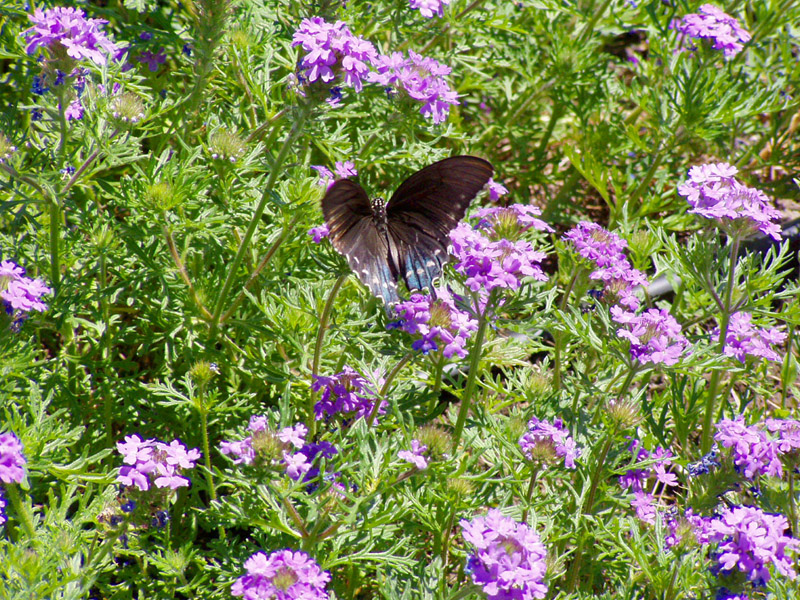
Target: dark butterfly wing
(354, 234)
(423, 211)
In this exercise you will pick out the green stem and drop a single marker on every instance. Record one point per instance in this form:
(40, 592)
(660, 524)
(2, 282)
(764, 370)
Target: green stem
(108, 402)
(385, 387)
(212, 492)
(261, 265)
(21, 508)
(474, 365)
(670, 593)
(297, 127)
(437, 381)
(645, 181)
(323, 326)
(558, 337)
(55, 236)
(586, 509)
(584, 35)
(713, 386)
(529, 494)
(792, 502)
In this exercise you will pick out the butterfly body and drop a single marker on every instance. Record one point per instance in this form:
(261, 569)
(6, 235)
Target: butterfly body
(406, 238)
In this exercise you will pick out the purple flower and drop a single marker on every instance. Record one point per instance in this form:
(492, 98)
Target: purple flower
(713, 193)
(752, 451)
(153, 60)
(490, 264)
(317, 233)
(607, 251)
(604, 248)
(346, 393)
(423, 79)
(498, 189)
(429, 8)
(301, 464)
(509, 561)
(750, 540)
(642, 481)
(153, 462)
(516, 218)
(11, 459)
(787, 434)
(20, 294)
(343, 170)
(654, 335)
(742, 339)
(438, 321)
(332, 49)
(66, 29)
(264, 446)
(710, 23)
(282, 575)
(552, 439)
(74, 111)
(415, 455)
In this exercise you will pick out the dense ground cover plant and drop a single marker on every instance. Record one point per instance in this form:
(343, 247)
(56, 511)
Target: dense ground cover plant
(198, 398)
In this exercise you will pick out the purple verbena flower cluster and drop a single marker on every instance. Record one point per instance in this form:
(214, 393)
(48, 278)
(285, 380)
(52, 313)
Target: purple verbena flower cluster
(66, 29)
(654, 335)
(438, 321)
(416, 455)
(742, 338)
(607, 251)
(20, 294)
(263, 445)
(543, 439)
(429, 8)
(12, 461)
(753, 451)
(423, 79)
(331, 48)
(282, 575)
(285, 449)
(638, 480)
(713, 193)
(751, 540)
(509, 561)
(347, 394)
(711, 23)
(153, 462)
(510, 221)
(489, 264)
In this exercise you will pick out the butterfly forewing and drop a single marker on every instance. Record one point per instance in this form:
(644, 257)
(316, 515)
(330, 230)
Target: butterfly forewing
(437, 197)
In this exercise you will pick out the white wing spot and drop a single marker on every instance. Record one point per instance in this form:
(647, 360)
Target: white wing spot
(430, 263)
(420, 271)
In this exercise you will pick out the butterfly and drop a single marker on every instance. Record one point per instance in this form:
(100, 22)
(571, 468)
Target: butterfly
(406, 238)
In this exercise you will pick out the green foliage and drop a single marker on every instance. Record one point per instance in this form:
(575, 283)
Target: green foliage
(188, 296)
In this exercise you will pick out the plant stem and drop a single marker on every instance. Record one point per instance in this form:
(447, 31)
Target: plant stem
(437, 381)
(173, 250)
(474, 365)
(385, 387)
(713, 386)
(261, 265)
(529, 494)
(558, 338)
(21, 508)
(572, 578)
(108, 403)
(297, 127)
(212, 491)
